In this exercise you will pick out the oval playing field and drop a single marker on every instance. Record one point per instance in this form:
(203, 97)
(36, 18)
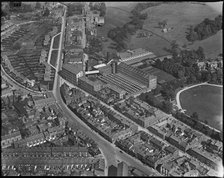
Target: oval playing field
(207, 101)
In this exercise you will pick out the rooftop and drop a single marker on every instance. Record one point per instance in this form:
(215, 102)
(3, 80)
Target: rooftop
(91, 81)
(44, 101)
(136, 53)
(73, 68)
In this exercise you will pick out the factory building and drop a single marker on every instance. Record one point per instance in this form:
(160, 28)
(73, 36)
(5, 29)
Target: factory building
(122, 169)
(135, 56)
(146, 79)
(71, 72)
(89, 85)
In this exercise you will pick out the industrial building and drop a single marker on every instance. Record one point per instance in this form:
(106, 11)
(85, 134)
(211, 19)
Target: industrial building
(71, 72)
(128, 78)
(89, 85)
(150, 81)
(122, 169)
(112, 171)
(135, 56)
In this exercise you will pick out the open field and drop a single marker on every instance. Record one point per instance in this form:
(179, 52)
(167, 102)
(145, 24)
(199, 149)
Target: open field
(54, 55)
(127, 6)
(56, 42)
(206, 101)
(114, 18)
(154, 44)
(161, 75)
(212, 46)
(180, 16)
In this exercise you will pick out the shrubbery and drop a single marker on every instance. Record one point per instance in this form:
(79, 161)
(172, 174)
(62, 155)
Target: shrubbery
(99, 7)
(205, 29)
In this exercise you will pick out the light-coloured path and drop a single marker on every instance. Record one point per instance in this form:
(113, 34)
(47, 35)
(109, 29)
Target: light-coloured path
(51, 48)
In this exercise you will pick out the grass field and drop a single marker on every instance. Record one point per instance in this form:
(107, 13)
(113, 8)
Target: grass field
(206, 101)
(212, 46)
(114, 18)
(128, 6)
(54, 56)
(154, 44)
(159, 73)
(180, 16)
(56, 42)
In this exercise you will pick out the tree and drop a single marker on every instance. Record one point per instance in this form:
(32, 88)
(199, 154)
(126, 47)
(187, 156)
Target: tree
(91, 5)
(38, 5)
(200, 52)
(162, 24)
(205, 121)
(208, 77)
(46, 12)
(192, 79)
(167, 106)
(204, 29)
(27, 8)
(214, 77)
(194, 116)
(102, 9)
(174, 48)
(143, 16)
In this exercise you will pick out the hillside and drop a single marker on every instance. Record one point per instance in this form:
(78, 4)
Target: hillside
(114, 17)
(212, 46)
(180, 16)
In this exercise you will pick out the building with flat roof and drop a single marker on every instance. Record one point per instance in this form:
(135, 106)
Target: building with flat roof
(89, 85)
(71, 72)
(122, 169)
(150, 81)
(42, 102)
(112, 171)
(135, 56)
(119, 92)
(73, 55)
(100, 165)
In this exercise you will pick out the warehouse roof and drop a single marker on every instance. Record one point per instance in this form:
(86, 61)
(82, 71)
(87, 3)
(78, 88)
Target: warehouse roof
(73, 68)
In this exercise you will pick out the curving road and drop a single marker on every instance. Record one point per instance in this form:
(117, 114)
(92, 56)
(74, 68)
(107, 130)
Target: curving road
(17, 85)
(108, 149)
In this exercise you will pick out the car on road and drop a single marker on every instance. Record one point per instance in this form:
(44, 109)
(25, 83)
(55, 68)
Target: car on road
(121, 151)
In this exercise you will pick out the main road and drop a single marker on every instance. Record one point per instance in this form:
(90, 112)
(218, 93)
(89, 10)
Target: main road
(109, 150)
